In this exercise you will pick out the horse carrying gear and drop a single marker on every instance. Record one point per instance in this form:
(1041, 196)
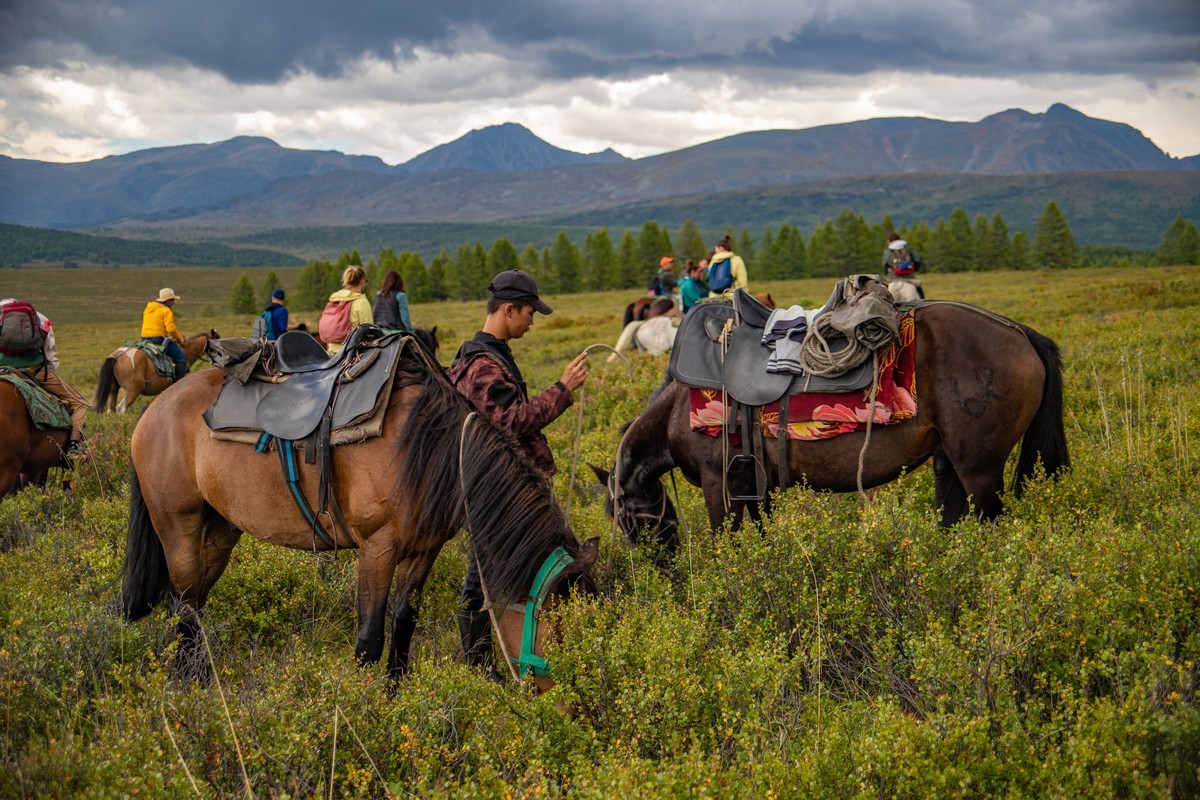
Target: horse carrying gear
(720, 346)
(291, 393)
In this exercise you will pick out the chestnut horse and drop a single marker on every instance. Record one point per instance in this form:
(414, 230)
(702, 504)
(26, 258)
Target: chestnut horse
(403, 495)
(26, 451)
(985, 383)
(131, 370)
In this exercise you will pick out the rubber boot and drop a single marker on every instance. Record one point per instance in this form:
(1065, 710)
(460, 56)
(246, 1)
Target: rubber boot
(475, 631)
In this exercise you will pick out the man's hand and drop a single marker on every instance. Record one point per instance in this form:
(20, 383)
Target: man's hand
(575, 373)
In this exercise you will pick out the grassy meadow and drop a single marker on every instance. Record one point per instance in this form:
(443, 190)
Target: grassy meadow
(844, 650)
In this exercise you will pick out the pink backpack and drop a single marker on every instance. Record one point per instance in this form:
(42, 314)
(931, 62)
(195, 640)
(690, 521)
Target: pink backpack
(335, 322)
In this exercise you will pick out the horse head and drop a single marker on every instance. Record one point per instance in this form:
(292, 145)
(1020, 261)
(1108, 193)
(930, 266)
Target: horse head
(639, 504)
(526, 653)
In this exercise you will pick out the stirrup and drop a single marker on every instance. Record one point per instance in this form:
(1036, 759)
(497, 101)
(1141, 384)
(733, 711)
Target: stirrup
(740, 464)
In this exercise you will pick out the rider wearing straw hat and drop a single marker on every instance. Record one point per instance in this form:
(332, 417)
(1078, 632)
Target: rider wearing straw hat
(158, 326)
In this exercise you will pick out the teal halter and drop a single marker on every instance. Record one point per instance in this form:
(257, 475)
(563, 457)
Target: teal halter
(529, 662)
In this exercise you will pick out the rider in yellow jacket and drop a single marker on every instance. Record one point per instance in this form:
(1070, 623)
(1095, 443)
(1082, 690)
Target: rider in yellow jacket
(158, 326)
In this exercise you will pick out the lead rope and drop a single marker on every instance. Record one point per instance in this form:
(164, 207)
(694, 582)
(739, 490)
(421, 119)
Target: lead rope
(862, 454)
(487, 598)
(579, 423)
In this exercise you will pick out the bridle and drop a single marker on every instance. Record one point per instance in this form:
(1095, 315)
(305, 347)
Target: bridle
(526, 662)
(632, 517)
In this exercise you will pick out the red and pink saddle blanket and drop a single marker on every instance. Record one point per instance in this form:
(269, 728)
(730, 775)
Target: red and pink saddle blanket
(823, 415)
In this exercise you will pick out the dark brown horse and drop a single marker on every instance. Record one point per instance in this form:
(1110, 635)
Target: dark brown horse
(984, 384)
(26, 451)
(403, 494)
(132, 371)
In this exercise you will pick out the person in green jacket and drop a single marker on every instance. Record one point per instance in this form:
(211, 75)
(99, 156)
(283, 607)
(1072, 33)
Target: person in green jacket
(692, 288)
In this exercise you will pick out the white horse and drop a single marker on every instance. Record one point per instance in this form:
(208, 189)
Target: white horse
(654, 336)
(904, 290)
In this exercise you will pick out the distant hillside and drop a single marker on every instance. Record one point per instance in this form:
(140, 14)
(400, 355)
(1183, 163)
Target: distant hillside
(506, 172)
(1129, 208)
(504, 148)
(21, 245)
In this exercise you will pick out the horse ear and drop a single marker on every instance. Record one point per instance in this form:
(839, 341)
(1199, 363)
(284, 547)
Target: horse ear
(588, 552)
(601, 474)
(433, 330)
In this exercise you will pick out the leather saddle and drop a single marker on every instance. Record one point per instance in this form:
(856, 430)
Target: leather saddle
(719, 345)
(305, 381)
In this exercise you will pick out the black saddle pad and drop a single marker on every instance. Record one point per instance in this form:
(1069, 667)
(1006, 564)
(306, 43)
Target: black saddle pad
(697, 358)
(293, 409)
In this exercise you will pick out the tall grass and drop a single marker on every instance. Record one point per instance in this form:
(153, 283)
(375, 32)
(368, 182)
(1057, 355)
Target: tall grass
(842, 650)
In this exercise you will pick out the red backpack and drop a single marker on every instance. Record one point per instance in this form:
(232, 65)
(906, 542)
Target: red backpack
(335, 322)
(20, 329)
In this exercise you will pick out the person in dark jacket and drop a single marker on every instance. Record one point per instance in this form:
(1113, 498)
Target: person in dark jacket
(391, 304)
(278, 316)
(486, 373)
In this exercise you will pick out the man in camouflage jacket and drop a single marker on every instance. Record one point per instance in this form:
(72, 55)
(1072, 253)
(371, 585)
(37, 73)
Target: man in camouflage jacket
(485, 372)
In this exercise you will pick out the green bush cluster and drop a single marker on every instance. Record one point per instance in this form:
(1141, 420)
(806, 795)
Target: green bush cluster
(847, 647)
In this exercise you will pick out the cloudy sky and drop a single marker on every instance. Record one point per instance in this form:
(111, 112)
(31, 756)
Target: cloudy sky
(81, 79)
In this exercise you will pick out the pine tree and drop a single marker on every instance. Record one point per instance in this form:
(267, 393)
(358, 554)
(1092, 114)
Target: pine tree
(689, 243)
(416, 277)
(1180, 244)
(566, 264)
(956, 242)
(243, 301)
(313, 286)
(530, 261)
(438, 279)
(628, 269)
(600, 261)
(269, 284)
(1053, 245)
(502, 256)
(650, 250)
(1020, 255)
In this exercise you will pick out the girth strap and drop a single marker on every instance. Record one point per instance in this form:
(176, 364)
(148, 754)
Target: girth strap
(291, 473)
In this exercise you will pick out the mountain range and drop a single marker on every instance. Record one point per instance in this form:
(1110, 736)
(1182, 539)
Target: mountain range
(506, 172)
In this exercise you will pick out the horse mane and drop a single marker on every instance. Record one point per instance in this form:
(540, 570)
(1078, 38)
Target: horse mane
(512, 515)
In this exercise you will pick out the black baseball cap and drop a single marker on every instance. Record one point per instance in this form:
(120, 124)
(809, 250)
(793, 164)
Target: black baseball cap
(515, 284)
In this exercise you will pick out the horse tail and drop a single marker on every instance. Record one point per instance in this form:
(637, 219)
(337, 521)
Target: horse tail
(145, 574)
(629, 313)
(106, 383)
(1045, 436)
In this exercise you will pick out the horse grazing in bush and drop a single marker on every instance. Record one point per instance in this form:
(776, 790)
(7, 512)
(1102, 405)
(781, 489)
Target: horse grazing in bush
(403, 495)
(26, 451)
(132, 371)
(985, 383)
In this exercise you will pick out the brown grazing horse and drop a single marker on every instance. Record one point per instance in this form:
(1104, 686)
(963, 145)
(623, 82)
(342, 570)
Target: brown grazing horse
(403, 495)
(984, 383)
(131, 370)
(26, 452)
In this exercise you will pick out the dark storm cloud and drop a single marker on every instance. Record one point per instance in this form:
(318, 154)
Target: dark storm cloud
(263, 42)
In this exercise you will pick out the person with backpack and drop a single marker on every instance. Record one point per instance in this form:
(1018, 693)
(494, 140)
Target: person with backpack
(158, 327)
(665, 277)
(486, 373)
(273, 321)
(899, 264)
(27, 344)
(726, 271)
(391, 304)
(347, 308)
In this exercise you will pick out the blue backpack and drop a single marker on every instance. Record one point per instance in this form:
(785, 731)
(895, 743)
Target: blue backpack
(720, 277)
(264, 326)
